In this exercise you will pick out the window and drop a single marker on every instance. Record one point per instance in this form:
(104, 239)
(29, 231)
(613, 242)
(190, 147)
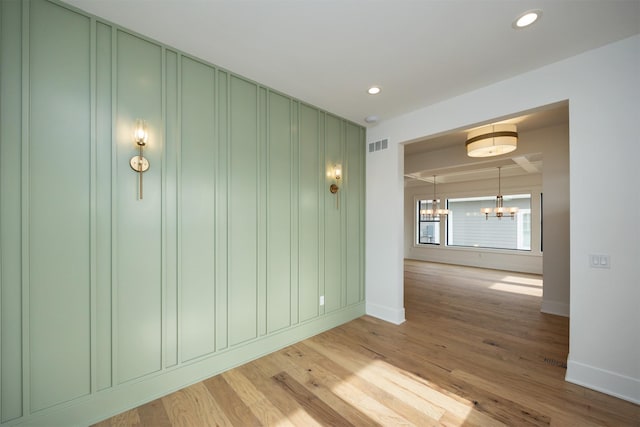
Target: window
(428, 228)
(467, 226)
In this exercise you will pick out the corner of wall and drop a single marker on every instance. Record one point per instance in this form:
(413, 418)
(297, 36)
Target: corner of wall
(388, 314)
(555, 307)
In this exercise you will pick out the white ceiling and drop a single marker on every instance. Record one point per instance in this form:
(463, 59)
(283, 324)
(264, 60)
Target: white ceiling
(512, 164)
(328, 52)
(544, 117)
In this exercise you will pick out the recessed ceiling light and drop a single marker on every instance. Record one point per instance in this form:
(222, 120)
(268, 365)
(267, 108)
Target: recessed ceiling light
(527, 18)
(374, 90)
(371, 119)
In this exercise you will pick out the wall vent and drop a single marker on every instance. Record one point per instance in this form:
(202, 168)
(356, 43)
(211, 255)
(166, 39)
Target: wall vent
(383, 144)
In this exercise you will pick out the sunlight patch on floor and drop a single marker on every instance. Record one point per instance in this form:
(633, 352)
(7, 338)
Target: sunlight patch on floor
(367, 405)
(517, 289)
(530, 281)
(412, 390)
(298, 417)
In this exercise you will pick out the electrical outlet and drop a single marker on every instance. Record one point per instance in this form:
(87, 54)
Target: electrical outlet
(321, 299)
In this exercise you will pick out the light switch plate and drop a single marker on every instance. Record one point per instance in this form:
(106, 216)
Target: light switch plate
(599, 261)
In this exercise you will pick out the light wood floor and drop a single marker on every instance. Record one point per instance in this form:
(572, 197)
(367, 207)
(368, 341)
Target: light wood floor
(475, 351)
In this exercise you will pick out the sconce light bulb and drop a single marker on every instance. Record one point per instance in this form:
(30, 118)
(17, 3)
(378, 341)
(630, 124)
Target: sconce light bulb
(140, 134)
(338, 171)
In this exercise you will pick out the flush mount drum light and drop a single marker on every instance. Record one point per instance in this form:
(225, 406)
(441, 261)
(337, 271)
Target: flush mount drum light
(492, 140)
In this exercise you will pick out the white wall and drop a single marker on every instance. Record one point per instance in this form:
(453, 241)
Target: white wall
(556, 189)
(603, 89)
(385, 299)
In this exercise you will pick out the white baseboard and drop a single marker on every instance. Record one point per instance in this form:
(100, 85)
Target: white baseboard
(604, 381)
(388, 314)
(555, 307)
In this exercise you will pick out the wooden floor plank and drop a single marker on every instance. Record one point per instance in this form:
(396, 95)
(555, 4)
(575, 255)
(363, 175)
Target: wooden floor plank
(279, 398)
(193, 406)
(125, 419)
(258, 404)
(466, 409)
(380, 376)
(313, 379)
(228, 400)
(319, 410)
(375, 403)
(475, 351)
(154, 414)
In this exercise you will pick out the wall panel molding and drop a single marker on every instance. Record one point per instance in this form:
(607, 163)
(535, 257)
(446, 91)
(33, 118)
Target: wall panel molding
(103, 207)
(59, 193)
(138, 234)
(198, 210)
(170, 222)
(24, 223)
(222, 212)
(108, 301)
(244, 208)
(280, 222)
(11, 114)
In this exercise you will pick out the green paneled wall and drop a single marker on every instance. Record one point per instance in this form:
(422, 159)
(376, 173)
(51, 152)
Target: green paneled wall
(108, 300)
(137, 223)
(280, 219)
(222, 215)
(102, 213)
(311, 205)
(333, 209)
(170, 258)
(11, 229)
(197, 210)
(243, 210)
(58, 171)
(354, 187)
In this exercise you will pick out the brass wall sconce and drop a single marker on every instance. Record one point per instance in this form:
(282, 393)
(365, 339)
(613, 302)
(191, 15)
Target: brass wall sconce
(139, 163)
(333, 188)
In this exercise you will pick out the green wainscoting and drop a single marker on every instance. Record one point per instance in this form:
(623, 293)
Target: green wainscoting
(57, 261)
(108, 301)
(312, 188)
(12, 325)
(102, 213)
(198, 154)
(333, 218)
(137, 260)
(281, 300)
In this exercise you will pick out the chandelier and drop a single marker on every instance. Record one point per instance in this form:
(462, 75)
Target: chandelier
(499, 211)
(434, 213)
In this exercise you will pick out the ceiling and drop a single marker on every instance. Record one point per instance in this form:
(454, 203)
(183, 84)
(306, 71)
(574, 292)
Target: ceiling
(512, 164)
(328, 52)
(547, 116)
